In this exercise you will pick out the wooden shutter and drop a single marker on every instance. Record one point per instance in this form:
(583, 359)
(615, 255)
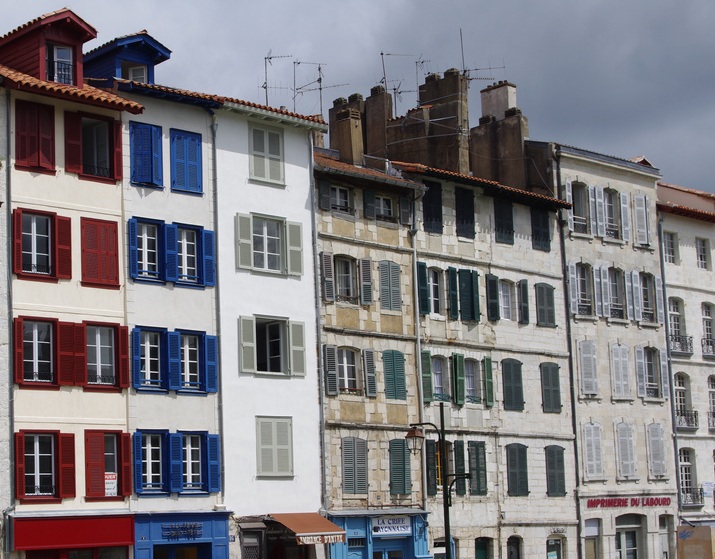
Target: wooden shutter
(664, 376)
(488, 382)
(211, 363)
(140, 153)
(244, 241)
(458, 378)
(659, 299)
(157, 160)
(17, 241)
(137, 444)
(324, 195)
(365, 269)
(492, 296)
(589, 372)
(133, 248)
(73, 143)
(171, 257)
(513, 388)
(466, 299)
(619, 366)
(122, 333)
(193, 163)
(176, 464)
(66, 475)
(213, 452)
(555, 472)
(360, 466)
(504, 221)
(400, 474)
(600, 212)
(173, 340)
(94, 463)
(594, 459)
(368, 199)
(640, 215)
(27, 140)
(296, 338)
(518, 484)
(475, 295)
(326, 260)
(125, 461)
(640, 371)
(385, 286)
(523, 290)
(117, 161)
(605, 292)
(550, 387)
(453, 294)
(423, 288)
(46, 134)
(65, 346)
(388, 373)
(477, 468)
(625, 217)
(136, 338)
(178, 161)
(592, 210)
(395, 292)
(19, 344)
(545, 310)
(626, 459)
(426, 362)
(208, 249)
(348, 456)
(431, 465)
(656, 445)
(597, 291)
(19, 465)
(91, 251)
(630, 309)
(294, 236)
(569, 198)
(459, 469)
(80, 354)
(637, 296)
(370, 376)
(398, 359)
(247, 329)
(330, 367)
(405, 210)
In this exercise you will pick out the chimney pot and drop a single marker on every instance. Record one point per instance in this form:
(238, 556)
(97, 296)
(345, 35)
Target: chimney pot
(377, 90)
(340, 101)
(355, 97)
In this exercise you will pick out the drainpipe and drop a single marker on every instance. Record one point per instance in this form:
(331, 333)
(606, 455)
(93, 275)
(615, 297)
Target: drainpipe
(676, 448)
(569, 347)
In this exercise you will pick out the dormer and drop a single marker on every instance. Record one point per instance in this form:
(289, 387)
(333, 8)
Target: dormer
(132, 57)
(48, 47)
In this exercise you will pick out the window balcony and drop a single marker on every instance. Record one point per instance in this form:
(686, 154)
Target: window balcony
(580, 224)
(708, 347)
(681, 344)
(692, 496)
(711, 420)
(617, 310)
(686, 419)
(584, 307)
(649, 315)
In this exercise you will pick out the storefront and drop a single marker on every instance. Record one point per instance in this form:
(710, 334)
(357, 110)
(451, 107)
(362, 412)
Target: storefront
(76, 537)
(181, 536)
(370, 534)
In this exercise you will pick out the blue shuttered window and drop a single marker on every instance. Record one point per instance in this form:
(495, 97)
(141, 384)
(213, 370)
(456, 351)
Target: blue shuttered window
(146, 154)
(186, 173)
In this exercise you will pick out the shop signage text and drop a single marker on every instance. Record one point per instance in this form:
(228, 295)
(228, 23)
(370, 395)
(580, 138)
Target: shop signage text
(391, 526)
(320, 539)
(182, 530)
(624, 502)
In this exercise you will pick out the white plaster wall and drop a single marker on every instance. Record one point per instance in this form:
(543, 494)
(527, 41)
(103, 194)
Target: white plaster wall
(246, 396)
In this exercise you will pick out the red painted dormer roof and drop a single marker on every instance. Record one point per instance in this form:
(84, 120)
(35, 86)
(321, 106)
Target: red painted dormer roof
(84, 30)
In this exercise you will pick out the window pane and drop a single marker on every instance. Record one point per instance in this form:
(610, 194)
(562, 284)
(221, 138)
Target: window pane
(100, 355)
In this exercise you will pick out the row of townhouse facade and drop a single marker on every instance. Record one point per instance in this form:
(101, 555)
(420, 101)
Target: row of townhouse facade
(217, 334)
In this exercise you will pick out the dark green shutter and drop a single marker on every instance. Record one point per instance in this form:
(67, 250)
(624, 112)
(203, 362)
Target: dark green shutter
(540, 230)
(453, 295)
(492, 297)
(400, 475)
(464, 210)
(324, 195)
(466, 300)
(368, 204)
(475, 295)
(431, 460)
(426, 376)
(460, 484)
(349, 465)
(423, 288)
(488, 382)
(550, 389)
(503, 222)
(545, 311)
(555, 472)
(517, 474)
(458, 378)
(513, 389)
(393, 363)
(370, 376)
(405, 210)
(330, 369)
(523, 287)
(477, 468)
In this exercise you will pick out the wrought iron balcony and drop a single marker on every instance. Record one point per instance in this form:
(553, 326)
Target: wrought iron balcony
(617, 310)
(708, 347)
(711, 420)
(692, 496)
(681, 344)
(686, 419)
(580, 224)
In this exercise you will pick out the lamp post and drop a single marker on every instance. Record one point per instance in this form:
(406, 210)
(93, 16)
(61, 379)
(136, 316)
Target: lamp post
(415, 439)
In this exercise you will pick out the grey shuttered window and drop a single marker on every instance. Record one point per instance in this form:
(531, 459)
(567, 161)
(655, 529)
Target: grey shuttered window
(488, 382)
(540, 229)
(545, 309)
(330, 369)
(492, 282)
(513, 387)
(432, 207)
(431, 466)
(368, 358)
(422, 288)
(517, 471)
(503, 222)
(555, 472)
(593, 456)
(426, 362)
(464, 210)
(354, 465)
(400, 472)
(390, 296)
(477, 468)
(550, 387)
(458, 378)
(460, 485)
(393, 363)
(469, 294)
(589, 373)
(523, 298)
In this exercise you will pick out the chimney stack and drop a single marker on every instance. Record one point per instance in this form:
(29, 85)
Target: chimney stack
(347, 137)
(497, 99)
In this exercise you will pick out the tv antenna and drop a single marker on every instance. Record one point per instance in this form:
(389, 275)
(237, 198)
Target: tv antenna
(466, 71)
(419, 63)
(396, 90)
(299, 90)
(266, 61)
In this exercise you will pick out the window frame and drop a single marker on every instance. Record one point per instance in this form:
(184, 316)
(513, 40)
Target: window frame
(76, 144)
(146, 158)
(52, 60)
(267, 156)
(507, 300)
(186, 161)
(63, 467)
(440, 390)
(348, 373)
(702, 253)
(472, 389)
(593, 451)
(625, 451)
(670, 247)
(293, 347)
(60, 249)
(290, 244)
(19, 325)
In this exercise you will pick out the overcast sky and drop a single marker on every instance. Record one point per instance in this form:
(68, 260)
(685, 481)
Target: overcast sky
(623, 78)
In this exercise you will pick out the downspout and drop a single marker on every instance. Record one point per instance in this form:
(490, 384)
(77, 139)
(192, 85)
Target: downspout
(666, 323)
(572, 375)
(217, 293)
(318, 326)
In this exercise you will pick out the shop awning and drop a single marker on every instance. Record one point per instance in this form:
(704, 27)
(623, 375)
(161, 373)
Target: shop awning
(310, 528)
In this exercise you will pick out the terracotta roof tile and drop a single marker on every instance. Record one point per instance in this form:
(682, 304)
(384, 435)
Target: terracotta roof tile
(85, 94)
(332, 164)
(173, 91)
(312, 118)
(91, 31)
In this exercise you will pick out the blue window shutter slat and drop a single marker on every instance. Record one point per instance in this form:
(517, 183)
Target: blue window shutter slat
(209, 258)
(193, 163)
(453, 294)
(156, 157)
(171, 250)
(136, 357)
(174, 354)
(138, 465)
(211, 364)
(178, 161)
(133, 250)
(213, 443)
(140, 158)
(422, 288)
(176, 465)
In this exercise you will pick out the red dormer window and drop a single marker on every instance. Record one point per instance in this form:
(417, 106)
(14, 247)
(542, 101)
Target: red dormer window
(59, 64)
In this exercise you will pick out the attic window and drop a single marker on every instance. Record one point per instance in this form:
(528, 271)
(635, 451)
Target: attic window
(135, 73)
(59, 64)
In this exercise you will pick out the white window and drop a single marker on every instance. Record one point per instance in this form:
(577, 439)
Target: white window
(272, 345)
(582, 290)
(592, 450)
(347, 370)
(612, 213)
(190, 361)
(150, 358)
(641, 219)
(507, 301)
(589, 372)
(267, 155)
(147, 250)
(187, 257)
(670, 247)
(274, 437)
(626, 452)
(59, 64)
(702, 253)
(345, 279)
(707, 311)
(269, 244)
(648, 302)
(690, 493)
(152, 474)
(39, 464)
(38, 351)
(472, 382)
(580, 212)
(137, 74)
(191, 459)
(340, 199)
(36, 244)
(435, 290)
(675, 318)
(440, 382)
(100, 355)
(617, 293)
(384, 208)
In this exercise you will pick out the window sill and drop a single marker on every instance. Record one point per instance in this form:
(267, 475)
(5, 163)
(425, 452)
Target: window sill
(612, 241)
(151, 389)
(465, 239)
(647, 248)
(94, 178)
(193, 493)
(651, 400)
(585, 318)
(591, 397)
(582, 236)
(100, 499)
(276, 477)
(198, 193)
(633, 479)
(391, 312)
(621, 321)
(100, 285)
(101, 388)
(149, 279)
(651, 325)
(37, 385)
(623, 400)
(387, 223)
(347, 215)
(547, 325)
(36, 277)
(147, 185)
(38, 170)
(189, 285)
(153, 493)
(39, 499)
(266, 182)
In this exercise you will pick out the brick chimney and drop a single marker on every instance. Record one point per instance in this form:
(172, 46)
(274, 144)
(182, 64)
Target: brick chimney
(347, 136)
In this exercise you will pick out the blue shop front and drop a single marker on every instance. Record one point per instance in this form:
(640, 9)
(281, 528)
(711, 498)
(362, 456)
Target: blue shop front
(381, 534)
(201, 535)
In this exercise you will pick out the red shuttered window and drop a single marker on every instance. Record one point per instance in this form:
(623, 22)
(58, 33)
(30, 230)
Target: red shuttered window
(108, 464)
(42, 245)
(100, 266)
(34, 136)
(44, 466)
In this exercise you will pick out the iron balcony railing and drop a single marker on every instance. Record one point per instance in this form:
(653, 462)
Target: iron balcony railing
(692, 496)
(708, 346)
(686, 419)
(681, 344)
(711, 420)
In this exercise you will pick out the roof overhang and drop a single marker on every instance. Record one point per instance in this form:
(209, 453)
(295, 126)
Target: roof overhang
(277, 116)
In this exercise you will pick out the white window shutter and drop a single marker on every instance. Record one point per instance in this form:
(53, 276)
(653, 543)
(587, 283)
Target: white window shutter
(294, 242)
(637, 296)
(616, 370)
(365, 281)
(244, 244)
(589, 373)
(600, 212)
(597, 291)
(296, 332)
(284, 446)
(264, 436)
(625, 376)
(657, 450)
(629, 294)
(573, 287)
(625, 217)
(592, 210)
(627, 465)
(606, 289)
(640, 218)
(659, 299)
(594, 459)
(640, 371)
(247, 335)
(664, 376)
(569, 199)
